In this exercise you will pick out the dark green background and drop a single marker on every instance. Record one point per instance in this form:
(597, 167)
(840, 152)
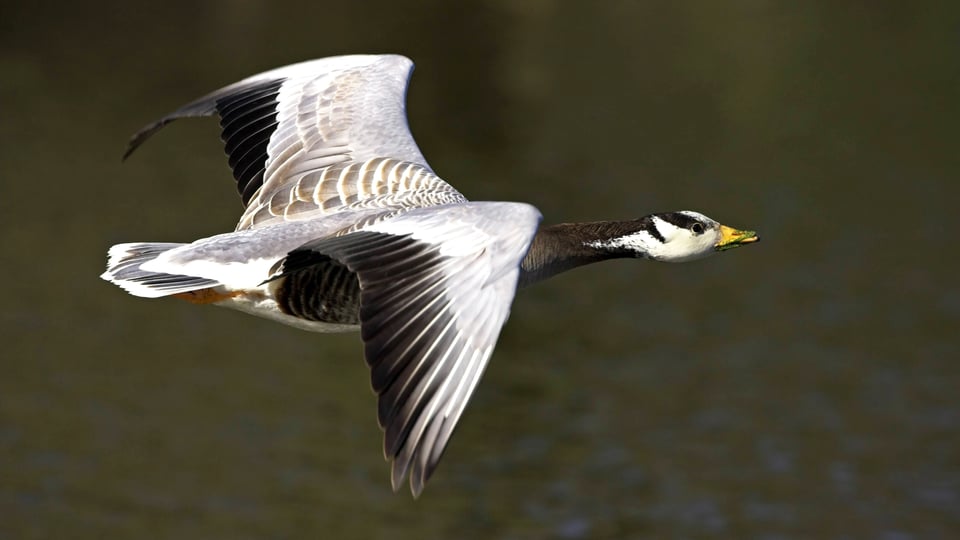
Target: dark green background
(804, 387)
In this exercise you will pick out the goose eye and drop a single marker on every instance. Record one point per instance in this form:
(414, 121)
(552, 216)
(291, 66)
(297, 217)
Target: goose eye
(697, 228)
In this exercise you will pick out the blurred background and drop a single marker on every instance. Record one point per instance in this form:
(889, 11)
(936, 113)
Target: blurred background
(804, 387)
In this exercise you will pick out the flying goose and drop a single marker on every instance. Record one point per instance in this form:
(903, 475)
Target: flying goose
(346, 226)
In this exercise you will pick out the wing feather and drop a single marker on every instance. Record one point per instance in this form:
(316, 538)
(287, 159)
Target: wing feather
(436, 287)
(301, 119)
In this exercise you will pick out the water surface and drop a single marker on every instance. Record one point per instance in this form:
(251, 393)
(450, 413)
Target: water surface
(805, 387)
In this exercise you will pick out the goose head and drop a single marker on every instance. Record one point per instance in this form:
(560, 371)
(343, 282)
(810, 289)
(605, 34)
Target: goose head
(677, 237)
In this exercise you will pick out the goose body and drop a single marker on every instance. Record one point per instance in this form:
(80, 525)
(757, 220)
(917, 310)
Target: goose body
(346, 227)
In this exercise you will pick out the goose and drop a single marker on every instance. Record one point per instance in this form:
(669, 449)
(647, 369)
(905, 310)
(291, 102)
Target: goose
(346, 227)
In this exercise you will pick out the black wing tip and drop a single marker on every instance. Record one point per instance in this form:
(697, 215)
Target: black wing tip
(141, 136)
(205, 106)
(402, 470)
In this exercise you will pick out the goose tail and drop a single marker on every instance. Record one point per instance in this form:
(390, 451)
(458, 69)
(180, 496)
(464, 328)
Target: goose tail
(124, 269)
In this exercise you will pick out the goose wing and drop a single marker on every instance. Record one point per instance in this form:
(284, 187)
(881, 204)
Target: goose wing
(313, 137)
(436, 288)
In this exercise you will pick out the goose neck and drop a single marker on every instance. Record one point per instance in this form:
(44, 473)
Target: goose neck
(562, 247)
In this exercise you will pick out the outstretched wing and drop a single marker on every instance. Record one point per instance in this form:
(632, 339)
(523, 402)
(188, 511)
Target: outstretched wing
(436, 287)
(283, 124)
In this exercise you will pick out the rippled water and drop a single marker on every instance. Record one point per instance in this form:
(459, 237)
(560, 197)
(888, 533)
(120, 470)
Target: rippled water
(803, 387)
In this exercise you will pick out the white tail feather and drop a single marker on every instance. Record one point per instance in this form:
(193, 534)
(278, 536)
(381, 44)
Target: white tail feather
(124, 263)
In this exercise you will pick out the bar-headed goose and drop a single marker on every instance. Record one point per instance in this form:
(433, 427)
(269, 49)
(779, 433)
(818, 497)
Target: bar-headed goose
(346, 227)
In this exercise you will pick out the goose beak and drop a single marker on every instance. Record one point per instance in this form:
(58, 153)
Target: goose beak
(731, 238)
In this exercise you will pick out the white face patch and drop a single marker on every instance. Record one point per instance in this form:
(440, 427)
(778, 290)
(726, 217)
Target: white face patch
(687, 243)
(668, 242)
